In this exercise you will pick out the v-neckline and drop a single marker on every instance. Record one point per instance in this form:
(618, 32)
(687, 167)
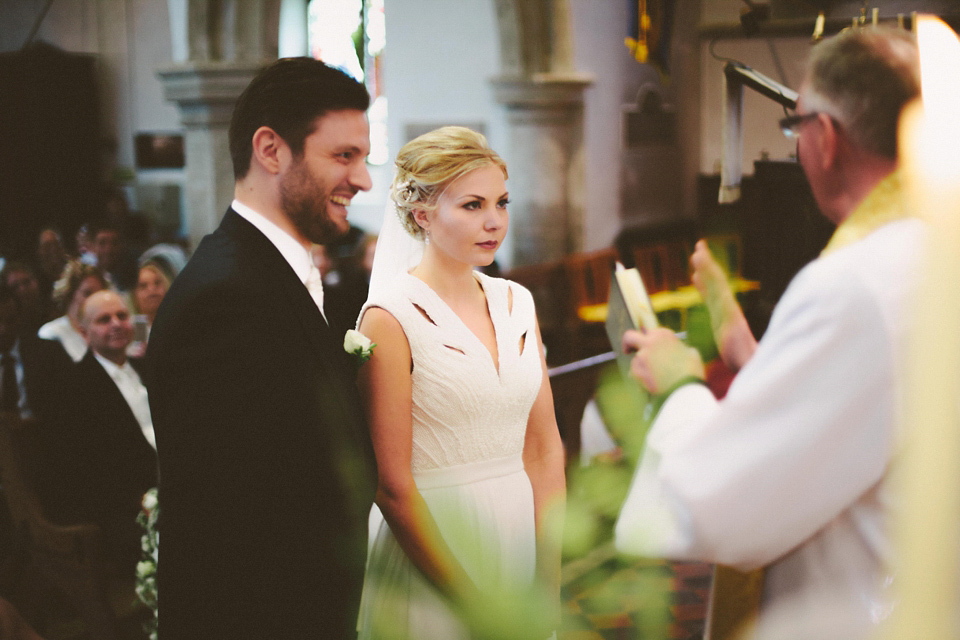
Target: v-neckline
(495, 361)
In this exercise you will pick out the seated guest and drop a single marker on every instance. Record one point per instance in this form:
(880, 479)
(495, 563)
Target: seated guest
(84, 243)
(117, 266)
(35, 308)
(38, 366)
(34, 380)
(368, 252)
(51, 257)
(153, 281)
(790, 470)
(78, 281)
(112, 443)
(346, 281)
(171, 257)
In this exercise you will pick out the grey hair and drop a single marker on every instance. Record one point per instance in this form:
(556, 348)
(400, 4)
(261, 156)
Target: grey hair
(863, 78)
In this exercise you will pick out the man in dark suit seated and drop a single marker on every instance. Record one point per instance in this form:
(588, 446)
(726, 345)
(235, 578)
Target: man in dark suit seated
(111, 440)
(112, 256)
(34, 377)
(40, 367)
(36, 308)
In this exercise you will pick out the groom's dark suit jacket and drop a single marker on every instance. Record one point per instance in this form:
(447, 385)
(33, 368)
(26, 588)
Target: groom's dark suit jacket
(267, 472)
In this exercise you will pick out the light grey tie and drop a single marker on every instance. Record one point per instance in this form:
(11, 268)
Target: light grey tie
(314, 284)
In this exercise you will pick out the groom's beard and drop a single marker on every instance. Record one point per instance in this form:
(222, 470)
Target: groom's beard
(304, 200)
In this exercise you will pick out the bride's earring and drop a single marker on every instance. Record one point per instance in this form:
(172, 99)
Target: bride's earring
(426, 237)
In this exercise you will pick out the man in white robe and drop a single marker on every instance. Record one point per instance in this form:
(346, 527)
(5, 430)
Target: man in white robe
(789, 471)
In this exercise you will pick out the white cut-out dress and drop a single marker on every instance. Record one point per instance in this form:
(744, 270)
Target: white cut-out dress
(469, 423)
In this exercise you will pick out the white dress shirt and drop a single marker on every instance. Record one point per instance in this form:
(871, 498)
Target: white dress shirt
(130, 385)
(61, 330)
(292, 251)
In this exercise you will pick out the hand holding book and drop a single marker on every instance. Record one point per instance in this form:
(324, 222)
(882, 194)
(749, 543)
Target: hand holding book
(628, 308)
(661, 361)
(649, 353)
(731, 332)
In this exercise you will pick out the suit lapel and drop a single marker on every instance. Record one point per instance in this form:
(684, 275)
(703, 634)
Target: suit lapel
(339, 402)
(279, 276)
(111, 401)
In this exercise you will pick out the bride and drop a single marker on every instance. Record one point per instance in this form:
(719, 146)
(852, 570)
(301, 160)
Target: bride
(470, 463)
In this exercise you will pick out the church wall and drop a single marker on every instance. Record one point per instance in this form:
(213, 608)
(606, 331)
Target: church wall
(132, 38)
(441, 54)
(762, 137)
(598, 33)
(440, 58)
(781, 58)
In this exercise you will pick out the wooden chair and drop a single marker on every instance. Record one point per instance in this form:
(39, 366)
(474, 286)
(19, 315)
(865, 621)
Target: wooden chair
(588, 276)
(585, 282)
(678, 262)
(545, 282)
(663, 265)
(66, 559)
(651, 261)
(727, 249)
(559, 289)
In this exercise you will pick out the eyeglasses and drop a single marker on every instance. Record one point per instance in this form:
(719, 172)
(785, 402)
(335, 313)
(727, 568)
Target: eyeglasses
(791, 124)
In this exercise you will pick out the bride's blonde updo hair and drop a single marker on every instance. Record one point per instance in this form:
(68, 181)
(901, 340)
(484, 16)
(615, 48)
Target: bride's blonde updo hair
(428, 164)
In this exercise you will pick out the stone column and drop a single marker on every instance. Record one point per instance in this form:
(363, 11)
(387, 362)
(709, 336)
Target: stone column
(545, 113)
(218, 46)
(294, 34)
(205, 95)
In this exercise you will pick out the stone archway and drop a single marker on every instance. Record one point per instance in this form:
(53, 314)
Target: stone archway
(543, 97)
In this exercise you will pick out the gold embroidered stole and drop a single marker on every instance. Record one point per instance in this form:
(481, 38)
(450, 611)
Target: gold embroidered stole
(734, 603)
(881, 206)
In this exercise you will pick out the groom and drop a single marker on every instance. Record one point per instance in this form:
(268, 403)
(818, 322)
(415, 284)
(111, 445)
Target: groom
(267, 472)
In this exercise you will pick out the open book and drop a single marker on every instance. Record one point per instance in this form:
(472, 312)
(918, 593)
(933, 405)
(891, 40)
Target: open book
(628, 307)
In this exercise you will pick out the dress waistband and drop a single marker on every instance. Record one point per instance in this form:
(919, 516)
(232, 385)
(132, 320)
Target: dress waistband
(467, 473)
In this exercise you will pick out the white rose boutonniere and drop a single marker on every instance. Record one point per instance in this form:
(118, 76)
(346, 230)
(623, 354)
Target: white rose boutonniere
(359, 345)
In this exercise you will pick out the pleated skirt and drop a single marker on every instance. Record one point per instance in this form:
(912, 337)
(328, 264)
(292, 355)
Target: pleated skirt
(484, 512)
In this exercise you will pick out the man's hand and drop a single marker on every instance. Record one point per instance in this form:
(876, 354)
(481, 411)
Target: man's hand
(731, 332)
(661, 359)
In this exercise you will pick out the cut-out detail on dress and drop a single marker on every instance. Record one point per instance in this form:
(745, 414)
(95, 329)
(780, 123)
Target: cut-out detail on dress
(523, 341)
(423, 313)
(509, 300)
(464, 417)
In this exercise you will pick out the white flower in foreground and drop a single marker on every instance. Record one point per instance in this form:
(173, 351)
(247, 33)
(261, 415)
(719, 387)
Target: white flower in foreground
(150, 500)
(145, 569)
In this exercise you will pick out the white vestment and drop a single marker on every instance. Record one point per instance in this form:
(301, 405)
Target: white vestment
(789, 470)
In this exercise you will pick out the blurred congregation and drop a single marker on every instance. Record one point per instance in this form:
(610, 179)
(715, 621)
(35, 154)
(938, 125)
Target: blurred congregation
(617, 154)
(75, 319)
